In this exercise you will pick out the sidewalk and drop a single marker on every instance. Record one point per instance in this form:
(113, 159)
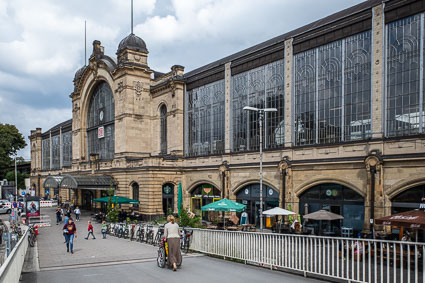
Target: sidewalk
(52, 250)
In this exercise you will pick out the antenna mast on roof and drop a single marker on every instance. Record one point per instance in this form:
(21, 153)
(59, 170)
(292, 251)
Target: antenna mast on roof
(131, 16)
(85, 43)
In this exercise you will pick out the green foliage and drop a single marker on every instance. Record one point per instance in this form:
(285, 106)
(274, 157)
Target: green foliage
(10, 176)
(112, 211)
(11, 141)
(185, 220)
(160, 220)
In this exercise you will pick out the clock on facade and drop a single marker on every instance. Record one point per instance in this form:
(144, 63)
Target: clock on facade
(101, 116)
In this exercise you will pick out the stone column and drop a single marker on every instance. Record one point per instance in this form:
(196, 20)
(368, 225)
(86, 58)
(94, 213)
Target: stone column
(227, 82)
(377, 61)
(288, 92)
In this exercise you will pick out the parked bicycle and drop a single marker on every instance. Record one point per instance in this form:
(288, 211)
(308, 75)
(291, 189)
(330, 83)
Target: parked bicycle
(140, 232)
(149, 234)
(185, 237)
(159, 235)
(32, 237)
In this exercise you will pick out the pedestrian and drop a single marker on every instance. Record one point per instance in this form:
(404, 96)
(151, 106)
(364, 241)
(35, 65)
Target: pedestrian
(58, 216)
(77, 214)
(70, 231)
(171, 233)
(104, 229)
(90, 229)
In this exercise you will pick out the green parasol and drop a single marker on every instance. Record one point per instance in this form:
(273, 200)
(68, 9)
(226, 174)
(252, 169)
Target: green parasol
(179, 198)
(224, 205)
(117, 199)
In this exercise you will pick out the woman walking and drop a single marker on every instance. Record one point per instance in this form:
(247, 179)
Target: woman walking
(70, 232)
(171, 233)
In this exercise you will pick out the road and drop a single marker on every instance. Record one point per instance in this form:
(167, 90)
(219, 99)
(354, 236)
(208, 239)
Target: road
(195, 269)
(119, 260)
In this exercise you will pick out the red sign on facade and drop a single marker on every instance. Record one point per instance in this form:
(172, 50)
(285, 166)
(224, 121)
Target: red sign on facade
(100, 132)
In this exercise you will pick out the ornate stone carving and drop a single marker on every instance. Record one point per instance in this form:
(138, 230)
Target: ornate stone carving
(138, 88)
(284, 164)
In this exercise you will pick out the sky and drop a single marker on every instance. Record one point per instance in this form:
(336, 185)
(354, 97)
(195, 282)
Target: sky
(42, 42)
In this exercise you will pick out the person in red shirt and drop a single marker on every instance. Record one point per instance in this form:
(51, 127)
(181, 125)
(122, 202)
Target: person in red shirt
(70, 231)
(90, 229)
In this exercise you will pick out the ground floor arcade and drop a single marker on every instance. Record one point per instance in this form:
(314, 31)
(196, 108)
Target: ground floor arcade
(359, 190)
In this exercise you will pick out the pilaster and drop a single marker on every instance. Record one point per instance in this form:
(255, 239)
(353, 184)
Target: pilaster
(227, 82)
(288, 92)
(377, 61)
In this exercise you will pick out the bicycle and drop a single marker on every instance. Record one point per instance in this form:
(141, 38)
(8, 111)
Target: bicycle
(161, 260)
(149, 234)
(133, 227)
(185, 239)
(140, 232)
(32, 237)
(158, 235)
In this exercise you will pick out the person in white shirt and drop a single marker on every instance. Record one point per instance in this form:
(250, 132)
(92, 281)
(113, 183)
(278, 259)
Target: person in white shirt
(77, 213)
(172, 234)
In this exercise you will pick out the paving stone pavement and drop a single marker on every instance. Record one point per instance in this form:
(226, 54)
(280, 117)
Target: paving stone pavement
(52, 249)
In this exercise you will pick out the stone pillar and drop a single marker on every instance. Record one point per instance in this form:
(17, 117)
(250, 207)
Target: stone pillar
(288, 93)
(377, 61)
(227, 82)
(374, 204)
(284, 168)
(224, 176)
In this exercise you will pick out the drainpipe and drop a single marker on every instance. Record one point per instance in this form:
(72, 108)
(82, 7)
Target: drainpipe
(372, 197)
(283, 188)
(223, 184)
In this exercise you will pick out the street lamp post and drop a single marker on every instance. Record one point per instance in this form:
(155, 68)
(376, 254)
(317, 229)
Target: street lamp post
(260, 121)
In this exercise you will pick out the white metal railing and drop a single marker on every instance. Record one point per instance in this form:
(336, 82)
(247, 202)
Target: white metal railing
(358, 260)
(10, 271)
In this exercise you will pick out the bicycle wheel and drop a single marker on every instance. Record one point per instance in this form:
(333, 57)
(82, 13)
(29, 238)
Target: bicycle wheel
(161, 259)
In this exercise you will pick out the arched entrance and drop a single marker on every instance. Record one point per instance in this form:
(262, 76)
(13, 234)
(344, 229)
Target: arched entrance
(168, 198)
(409, 199)
(335, 198)
(201, 195)
(135, 193)
(250, 196)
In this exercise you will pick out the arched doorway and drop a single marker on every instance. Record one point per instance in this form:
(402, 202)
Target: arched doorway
(250, 196)
(201, 195)
(409, 199)
(135, 193)
(168, 198)
(335, 198)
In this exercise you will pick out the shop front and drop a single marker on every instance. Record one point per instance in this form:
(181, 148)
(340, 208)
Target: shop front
(409, 199)
(337, 199)
(250, 196)
(168, 198)
(202, 195)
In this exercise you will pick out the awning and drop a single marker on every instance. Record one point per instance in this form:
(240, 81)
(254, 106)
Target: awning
(92, 182)
(52, 182)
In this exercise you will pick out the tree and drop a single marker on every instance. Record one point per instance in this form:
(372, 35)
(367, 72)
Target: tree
(112, 211)
(11, 141)
(10, 176)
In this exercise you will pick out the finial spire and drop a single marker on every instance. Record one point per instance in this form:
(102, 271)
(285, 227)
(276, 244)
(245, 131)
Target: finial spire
(131, 16)
(85, 43)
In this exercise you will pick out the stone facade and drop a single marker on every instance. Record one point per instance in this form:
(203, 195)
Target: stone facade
(390, 165)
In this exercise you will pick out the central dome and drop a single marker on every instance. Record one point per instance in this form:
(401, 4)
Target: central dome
(132, 42)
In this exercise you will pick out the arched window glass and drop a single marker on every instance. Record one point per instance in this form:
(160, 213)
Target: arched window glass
(100, 122)
(135, 193)
(163, 129)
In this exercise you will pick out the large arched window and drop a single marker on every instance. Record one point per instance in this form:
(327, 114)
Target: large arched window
(100, 122)
(335, 198)
(135, 192)
(163, 129)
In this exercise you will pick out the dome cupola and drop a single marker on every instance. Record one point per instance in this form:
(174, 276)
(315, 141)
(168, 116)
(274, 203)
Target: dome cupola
(132, 42)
